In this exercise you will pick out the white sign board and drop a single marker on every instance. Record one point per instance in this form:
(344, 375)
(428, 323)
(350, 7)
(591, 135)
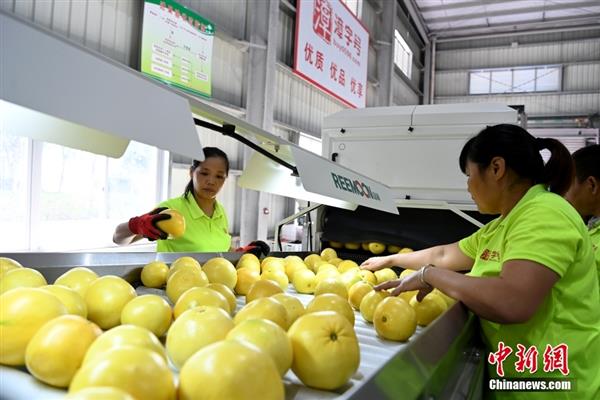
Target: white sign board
(332, 48)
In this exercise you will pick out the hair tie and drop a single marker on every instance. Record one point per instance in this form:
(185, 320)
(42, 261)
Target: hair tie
(540, 143)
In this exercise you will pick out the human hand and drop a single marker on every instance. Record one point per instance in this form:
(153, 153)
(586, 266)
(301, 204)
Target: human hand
(409, 283)
(257, 247)
(145, 225)
(375, 263)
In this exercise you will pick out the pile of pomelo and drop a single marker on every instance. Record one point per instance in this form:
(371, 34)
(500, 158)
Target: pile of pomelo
(98, 338)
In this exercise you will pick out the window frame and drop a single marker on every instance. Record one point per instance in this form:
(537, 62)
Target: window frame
(401, 44)
(534, 68)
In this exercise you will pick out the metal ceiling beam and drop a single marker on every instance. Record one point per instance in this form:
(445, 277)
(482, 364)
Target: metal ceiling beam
(516, 12)
(464, 4)
(589, 19)
(417, 19)
(519, 33)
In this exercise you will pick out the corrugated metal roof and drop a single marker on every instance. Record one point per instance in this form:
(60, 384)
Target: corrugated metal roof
(452, 18)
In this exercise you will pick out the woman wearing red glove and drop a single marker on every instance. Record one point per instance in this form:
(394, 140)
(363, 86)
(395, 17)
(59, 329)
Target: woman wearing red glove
(205, 218)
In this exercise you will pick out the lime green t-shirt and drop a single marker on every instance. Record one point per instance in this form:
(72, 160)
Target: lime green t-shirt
(544, 228)
(203, 234)
(595, 237)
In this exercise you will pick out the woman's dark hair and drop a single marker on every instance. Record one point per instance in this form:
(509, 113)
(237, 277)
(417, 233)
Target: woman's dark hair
(587, 162)
(521, 153)
(208, 153)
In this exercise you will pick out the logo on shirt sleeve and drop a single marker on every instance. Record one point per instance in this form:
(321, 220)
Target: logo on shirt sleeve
(490, 255)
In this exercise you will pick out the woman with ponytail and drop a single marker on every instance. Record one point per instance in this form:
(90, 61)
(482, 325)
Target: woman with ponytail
(530, 275)
(205, 218)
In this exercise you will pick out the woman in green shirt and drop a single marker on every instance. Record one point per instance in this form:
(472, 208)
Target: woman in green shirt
(584, 193)
(529, 277)
(205, 218)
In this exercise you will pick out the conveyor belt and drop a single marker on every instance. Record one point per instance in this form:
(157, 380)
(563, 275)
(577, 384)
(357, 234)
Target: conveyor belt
(387, 369)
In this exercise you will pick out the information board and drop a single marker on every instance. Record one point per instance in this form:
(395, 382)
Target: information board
(177, 46)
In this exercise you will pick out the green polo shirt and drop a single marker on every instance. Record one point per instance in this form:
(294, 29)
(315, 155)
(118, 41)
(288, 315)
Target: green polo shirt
(203, 234)
(544, 228)
(595, 237)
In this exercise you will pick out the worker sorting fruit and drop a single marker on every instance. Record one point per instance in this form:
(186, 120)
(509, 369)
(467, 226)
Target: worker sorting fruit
(584, 193)
(193, 222)
(531, 275)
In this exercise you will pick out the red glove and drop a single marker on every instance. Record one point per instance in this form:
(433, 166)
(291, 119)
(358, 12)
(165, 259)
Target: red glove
(145, 225)
(258, 248)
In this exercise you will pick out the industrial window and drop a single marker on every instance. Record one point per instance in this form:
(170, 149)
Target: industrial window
(515, 80)
(403, 55)
(64, 199)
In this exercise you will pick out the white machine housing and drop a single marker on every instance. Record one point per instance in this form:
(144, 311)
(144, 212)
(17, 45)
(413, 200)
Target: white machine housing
(412, 149)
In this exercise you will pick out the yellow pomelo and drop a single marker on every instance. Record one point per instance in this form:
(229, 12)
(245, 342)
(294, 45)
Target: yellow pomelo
(200, 296)
(231, 370)
(250, 261)
(221, 270)
(293, 306)
(325, 347)
(100, 393)
(6, 264)
(22, 312)
(154, 274)
(331, 302)
(293, 258)
(78, 279)
(183, 280)
(74, 303)
(277, 276)
(124, 335)
(325, 266)
(335, 261)
(195, 329)
(149, 311)
(336, 245)
(304, 281)
(140, 372)
(385, 274)
(352, 246)
(105, 299)
(349, 278)
(262, 288)
(357, 292)
(227, 293)
(347, 265)
(449, 300)
(428, 309)
(310, 260)
(21, 277)
(376, 247)
(267, 336)
(293, 266)
(368, 276)
(332, 285)
(328, 253)
(406, 250)
(264, 307)
(245, 280)
(174, 226)
(394, 319)
(370, 302)
(392, 248)
(185, 262)
(272, 264)
(56, 351)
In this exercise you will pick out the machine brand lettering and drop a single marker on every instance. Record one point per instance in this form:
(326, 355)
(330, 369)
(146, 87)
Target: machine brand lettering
(356, 187)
